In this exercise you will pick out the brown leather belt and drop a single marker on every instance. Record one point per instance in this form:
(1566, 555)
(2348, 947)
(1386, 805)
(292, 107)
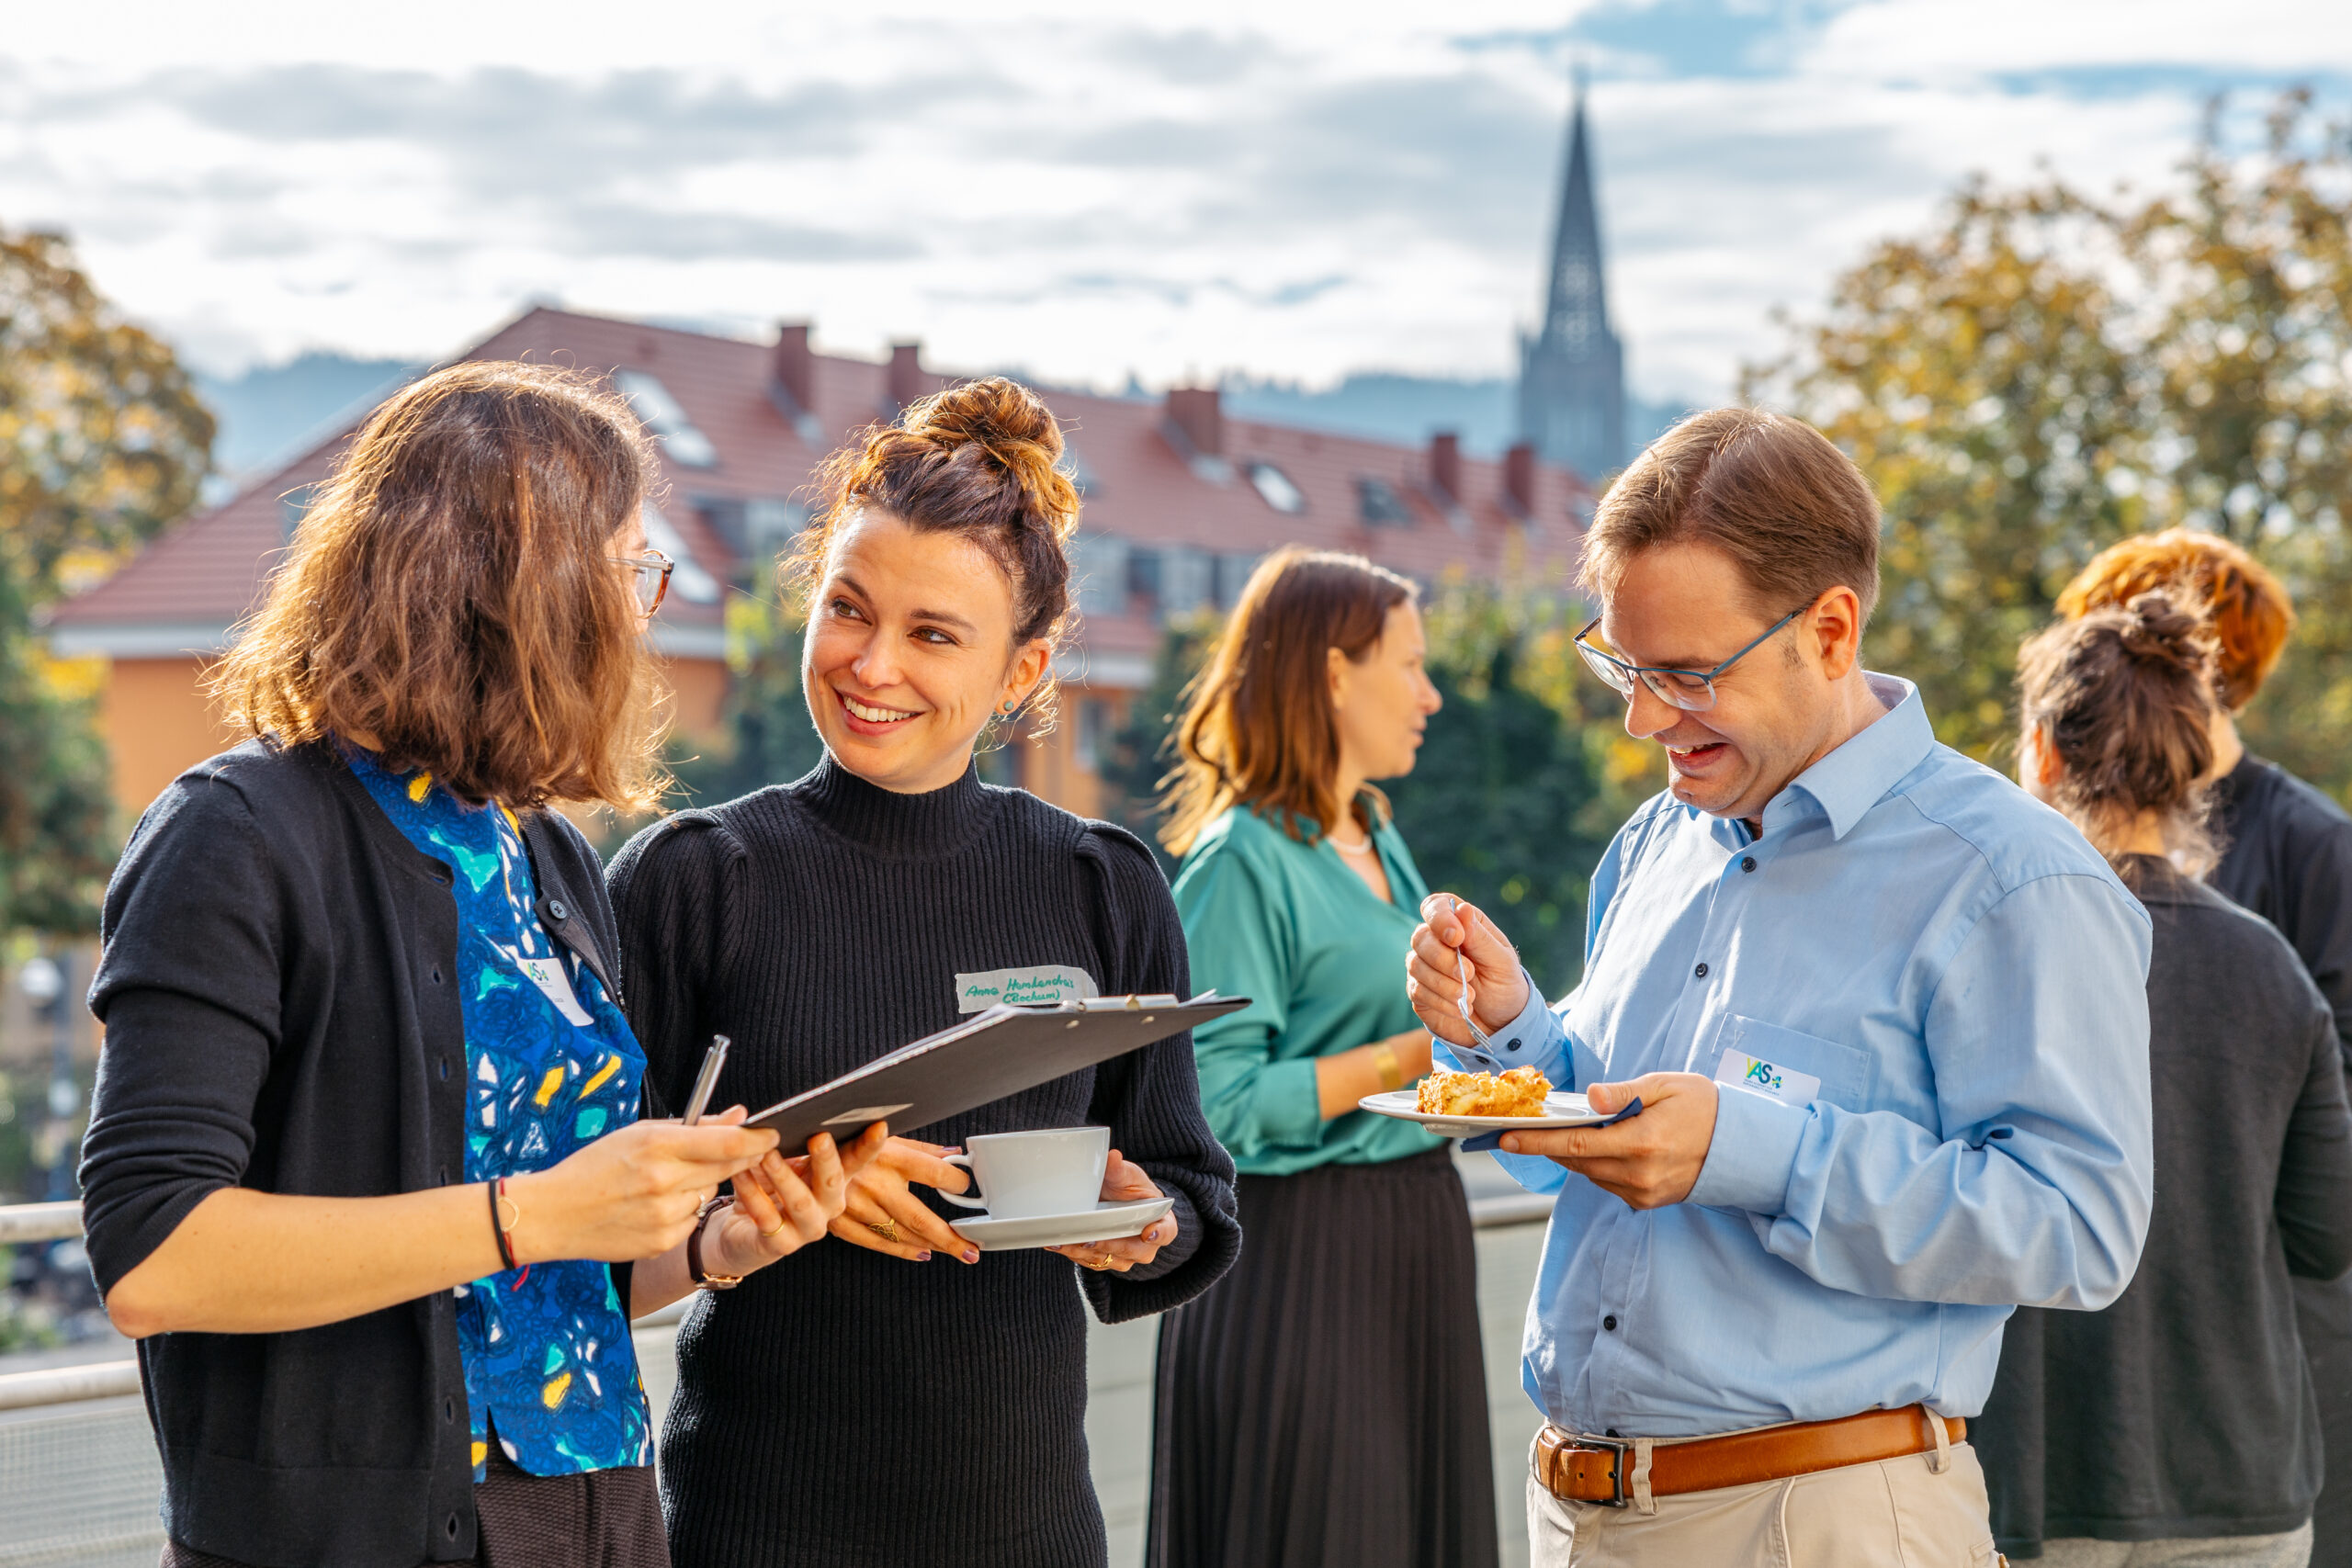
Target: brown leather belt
(1599, 1470)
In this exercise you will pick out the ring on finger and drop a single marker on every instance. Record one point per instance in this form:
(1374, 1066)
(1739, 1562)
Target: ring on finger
(764, 1234)
(1101, 1261)
(887, 1228)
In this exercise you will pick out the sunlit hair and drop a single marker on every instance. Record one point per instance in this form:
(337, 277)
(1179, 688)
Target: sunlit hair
(2125, 696)
(451, 592)
(2249, 609)
(978, 460)
(1257, 727)
(1792, 511)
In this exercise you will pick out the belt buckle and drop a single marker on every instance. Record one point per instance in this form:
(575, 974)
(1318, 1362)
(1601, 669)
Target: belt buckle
(1619, 1447)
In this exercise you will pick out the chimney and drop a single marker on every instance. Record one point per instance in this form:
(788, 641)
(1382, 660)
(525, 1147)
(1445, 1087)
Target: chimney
(907, 379)
(1197, 412)
(1518, 478)
(1445, 464)
(796, 364)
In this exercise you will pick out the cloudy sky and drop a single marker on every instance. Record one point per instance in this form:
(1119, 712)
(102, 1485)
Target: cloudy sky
(1086, 190)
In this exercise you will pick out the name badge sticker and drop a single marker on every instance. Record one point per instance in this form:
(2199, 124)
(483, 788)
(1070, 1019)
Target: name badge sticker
(1043, 985)
(1740, 1070)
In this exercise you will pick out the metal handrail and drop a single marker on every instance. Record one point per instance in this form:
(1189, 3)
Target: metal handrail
(112, 1380)
(39, 1222)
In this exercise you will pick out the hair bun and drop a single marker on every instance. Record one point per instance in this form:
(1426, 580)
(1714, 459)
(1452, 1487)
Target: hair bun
(1012, 425)
(995, 413)
(2158, 631)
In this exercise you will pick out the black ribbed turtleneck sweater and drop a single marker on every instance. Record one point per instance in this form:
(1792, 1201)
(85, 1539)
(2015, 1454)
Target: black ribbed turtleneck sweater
(842, 1407)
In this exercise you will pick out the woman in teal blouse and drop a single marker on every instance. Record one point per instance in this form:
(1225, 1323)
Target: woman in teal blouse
(1325, 1403)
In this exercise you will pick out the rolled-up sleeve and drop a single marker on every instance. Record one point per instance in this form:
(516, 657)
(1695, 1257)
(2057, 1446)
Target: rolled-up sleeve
(187, 987)
(2038, 1187)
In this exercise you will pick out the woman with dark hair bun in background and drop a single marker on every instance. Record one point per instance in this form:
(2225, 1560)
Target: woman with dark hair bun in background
(2177, 1426)
(908, 1400)
(2286, 855)
(1327, 1402)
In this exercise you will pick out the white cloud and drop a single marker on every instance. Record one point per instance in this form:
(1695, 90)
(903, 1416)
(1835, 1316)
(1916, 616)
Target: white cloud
(1287, 189)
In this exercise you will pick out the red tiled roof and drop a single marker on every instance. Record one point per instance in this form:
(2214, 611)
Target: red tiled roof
(1145, 487)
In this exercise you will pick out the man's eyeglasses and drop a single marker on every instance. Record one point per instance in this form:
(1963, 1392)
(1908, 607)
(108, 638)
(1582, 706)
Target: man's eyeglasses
(651, 574)
(1690, 689)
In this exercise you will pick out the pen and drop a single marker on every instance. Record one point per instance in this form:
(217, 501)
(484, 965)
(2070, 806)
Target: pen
(708, 1079)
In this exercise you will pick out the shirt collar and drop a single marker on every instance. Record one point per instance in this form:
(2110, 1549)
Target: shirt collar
(1857, 775)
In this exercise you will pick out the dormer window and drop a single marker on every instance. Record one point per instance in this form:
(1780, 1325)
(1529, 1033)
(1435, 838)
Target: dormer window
(1378, 503)
(666, 418)
(1274, 488)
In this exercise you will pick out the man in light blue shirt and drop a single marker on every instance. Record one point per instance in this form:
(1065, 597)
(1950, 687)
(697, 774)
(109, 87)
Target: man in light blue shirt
(1886, 1017)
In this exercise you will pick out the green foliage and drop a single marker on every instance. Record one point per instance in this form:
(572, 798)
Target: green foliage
(2042, 375)
(102, 443)
(768, 736)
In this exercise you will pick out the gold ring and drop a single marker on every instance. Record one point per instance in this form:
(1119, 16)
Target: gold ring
(779, 1225)
(888, 1230)
(1100, 1263)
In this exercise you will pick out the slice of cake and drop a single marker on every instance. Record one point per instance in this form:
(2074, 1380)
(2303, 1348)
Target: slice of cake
(1519, 1092)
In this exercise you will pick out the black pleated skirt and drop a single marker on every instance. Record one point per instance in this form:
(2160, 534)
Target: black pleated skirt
(1325, 1403)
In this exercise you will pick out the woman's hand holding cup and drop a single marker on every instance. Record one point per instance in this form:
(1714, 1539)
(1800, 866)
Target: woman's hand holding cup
(634, 1193)
(1123, 1182)
(882, 1215)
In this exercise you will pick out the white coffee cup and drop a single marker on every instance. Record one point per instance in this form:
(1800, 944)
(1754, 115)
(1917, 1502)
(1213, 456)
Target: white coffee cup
(1056, 1170)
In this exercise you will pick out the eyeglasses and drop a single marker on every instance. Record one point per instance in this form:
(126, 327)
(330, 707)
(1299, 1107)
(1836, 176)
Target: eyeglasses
(1689, 689)
(650, 573)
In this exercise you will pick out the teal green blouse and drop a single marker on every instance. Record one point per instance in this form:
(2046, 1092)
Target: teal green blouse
(1323, 962)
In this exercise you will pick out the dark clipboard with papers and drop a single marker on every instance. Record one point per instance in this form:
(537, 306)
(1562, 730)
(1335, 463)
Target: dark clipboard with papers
(985, 1057)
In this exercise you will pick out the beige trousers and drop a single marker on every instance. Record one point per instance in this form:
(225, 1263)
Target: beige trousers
(1897, 1513)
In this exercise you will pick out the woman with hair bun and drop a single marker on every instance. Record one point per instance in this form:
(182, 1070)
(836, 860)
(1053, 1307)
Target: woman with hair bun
(907, 1399)
(2178, 1425)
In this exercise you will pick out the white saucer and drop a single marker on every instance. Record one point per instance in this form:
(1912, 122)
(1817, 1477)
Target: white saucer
(1562, 1111)
(1104, 1221)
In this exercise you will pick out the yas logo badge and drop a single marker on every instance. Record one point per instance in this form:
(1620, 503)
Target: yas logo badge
(1042, 986)
(1740, 1070)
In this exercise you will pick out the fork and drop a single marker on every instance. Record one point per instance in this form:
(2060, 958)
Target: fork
(1478, 1036)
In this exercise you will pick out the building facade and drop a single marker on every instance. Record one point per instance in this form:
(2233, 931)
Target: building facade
(1180, 503)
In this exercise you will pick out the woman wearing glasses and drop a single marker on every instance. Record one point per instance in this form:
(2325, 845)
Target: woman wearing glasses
(365, 1173)
(1325, 1403)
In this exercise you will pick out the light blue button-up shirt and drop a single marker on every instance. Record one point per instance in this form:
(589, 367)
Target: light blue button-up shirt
(1966, 979)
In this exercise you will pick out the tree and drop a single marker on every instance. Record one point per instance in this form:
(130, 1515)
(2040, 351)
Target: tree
(102, 443)
(2041, 375)
(768, 736)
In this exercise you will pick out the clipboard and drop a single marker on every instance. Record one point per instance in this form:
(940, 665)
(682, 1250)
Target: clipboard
(985, 1057)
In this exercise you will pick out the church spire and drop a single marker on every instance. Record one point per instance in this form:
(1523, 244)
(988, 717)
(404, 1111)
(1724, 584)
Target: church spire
(1572, 375)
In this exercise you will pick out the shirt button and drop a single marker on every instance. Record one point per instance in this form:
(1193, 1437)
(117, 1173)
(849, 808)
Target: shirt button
(1514, 1044)
(1610, 1323)
(1748, 863)
(556, 907)
(1700, 970)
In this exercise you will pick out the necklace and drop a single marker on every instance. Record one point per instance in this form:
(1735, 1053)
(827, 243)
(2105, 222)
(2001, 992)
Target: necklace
(1359, 847)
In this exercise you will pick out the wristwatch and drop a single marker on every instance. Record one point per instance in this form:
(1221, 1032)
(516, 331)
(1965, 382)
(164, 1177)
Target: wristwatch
(693, 1251)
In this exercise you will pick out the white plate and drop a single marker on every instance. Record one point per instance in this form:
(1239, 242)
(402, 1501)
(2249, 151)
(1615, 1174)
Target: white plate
(1104, 1221)
(1561, 1110)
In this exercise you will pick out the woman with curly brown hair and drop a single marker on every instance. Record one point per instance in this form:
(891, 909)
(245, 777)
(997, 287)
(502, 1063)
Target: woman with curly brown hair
(824, 922)
(2177, 1425)
(365, 1174)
